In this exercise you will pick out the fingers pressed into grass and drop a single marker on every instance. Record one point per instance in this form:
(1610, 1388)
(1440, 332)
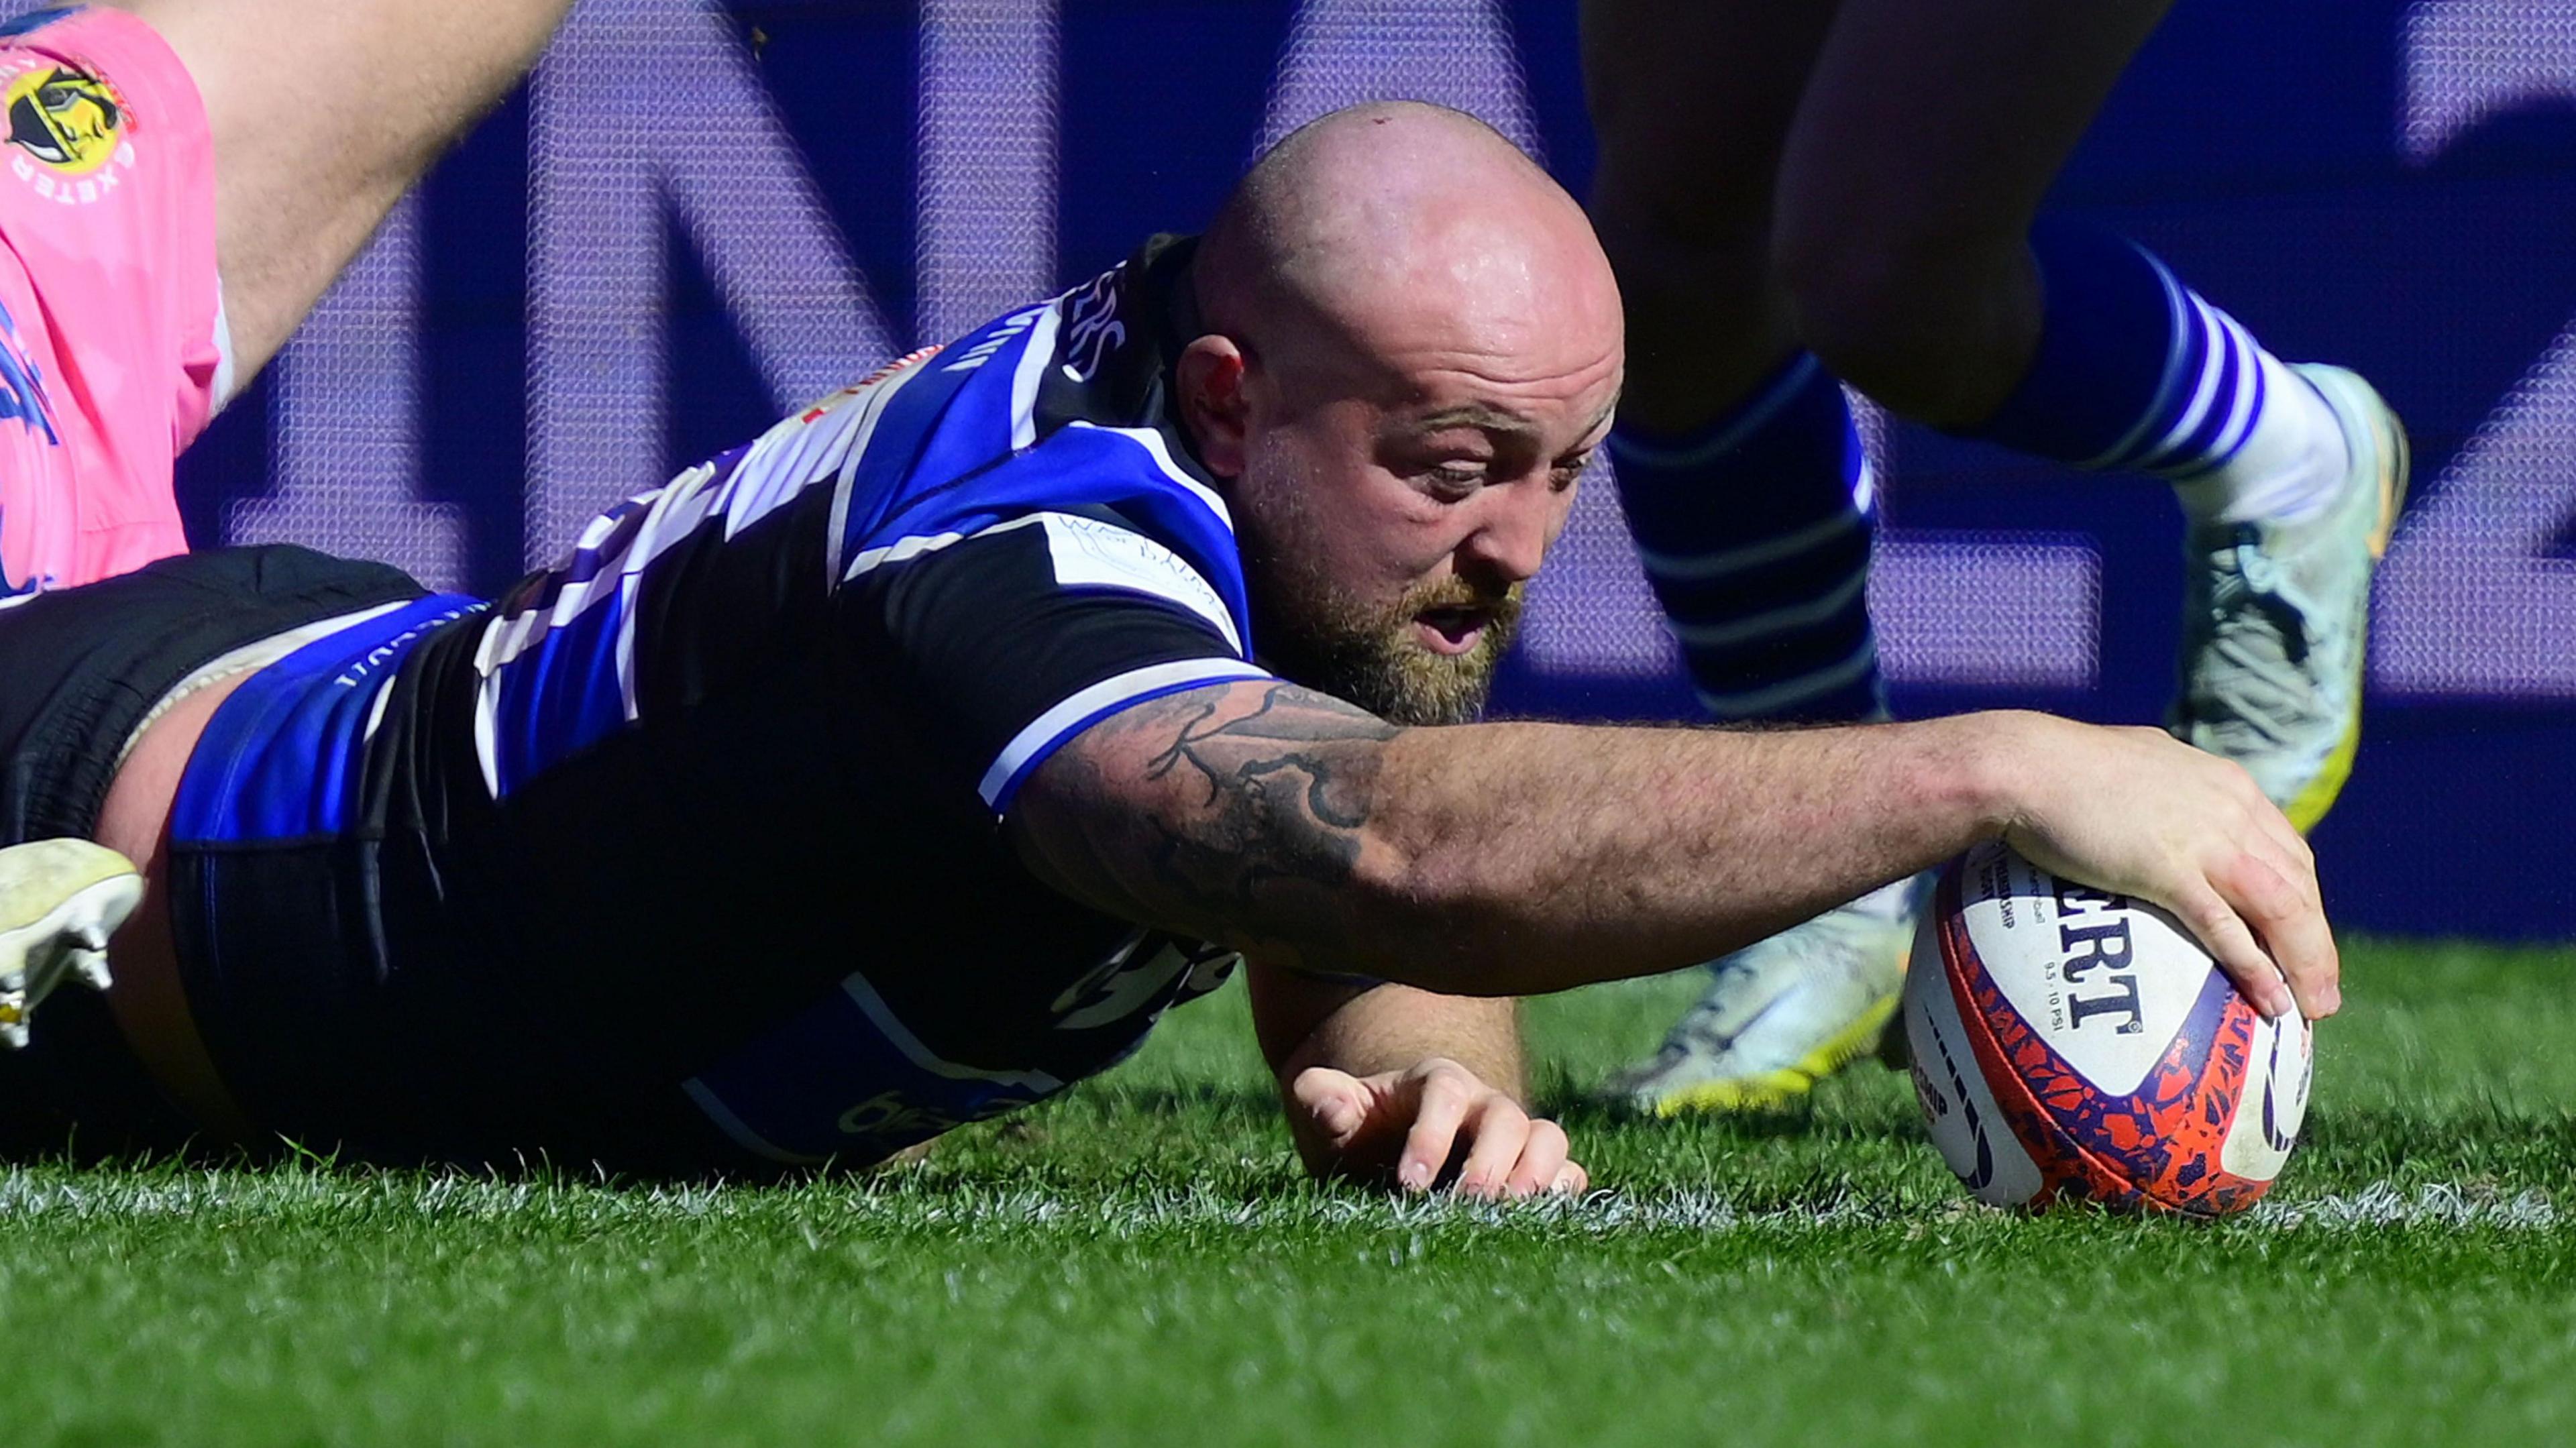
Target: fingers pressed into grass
(1543, 1160)
(1336, 1101)
(1447, 1094)
(1498, 1131)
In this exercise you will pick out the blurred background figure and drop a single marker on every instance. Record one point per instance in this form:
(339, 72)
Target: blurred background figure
(1799, 196)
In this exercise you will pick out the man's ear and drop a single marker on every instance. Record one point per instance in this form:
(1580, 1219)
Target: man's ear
(1210, 377)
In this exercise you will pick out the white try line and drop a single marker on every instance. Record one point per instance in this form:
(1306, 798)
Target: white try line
(893, 1203)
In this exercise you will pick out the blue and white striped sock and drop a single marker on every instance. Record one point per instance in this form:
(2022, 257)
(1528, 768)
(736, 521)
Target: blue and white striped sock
(2135, 371)
(1755, 533)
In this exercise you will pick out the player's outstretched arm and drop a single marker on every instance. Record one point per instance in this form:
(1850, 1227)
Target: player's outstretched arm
(1514, 859)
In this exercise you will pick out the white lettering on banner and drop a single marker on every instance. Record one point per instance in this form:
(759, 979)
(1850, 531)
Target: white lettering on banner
(648, 108)
(2472, 599)
(2468, 61)
(346, 465)
(987, 164)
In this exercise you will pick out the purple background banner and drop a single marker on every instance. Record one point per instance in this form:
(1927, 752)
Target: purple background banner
(699, 215)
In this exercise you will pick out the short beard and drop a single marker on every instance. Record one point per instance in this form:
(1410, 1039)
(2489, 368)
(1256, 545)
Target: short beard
(1316, 634)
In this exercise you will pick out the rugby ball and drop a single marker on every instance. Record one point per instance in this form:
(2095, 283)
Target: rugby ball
(2070, 1043)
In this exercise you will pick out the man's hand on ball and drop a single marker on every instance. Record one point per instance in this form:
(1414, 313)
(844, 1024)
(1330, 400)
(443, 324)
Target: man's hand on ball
(1407, 1128)
(2139, 812)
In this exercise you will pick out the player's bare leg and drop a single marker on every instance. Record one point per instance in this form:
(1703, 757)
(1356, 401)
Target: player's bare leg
(1927, 137)
(1742, 481)
(174, 152)
(1900, 251)
(1692, 104)
(324, 112)
(1908, 195)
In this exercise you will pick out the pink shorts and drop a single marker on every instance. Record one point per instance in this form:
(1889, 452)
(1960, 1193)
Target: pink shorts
(112, 350)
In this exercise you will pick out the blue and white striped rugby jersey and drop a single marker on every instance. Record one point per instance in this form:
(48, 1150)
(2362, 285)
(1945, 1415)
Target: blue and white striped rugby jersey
(716, 802)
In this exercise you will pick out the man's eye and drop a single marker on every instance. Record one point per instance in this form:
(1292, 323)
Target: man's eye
(1456, 477)
(1565, 474)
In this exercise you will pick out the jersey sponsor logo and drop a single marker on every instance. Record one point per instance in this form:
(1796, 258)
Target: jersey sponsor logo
(1121, 986)
(1088, 553)
(1145, 975)
(67, 133)
(890, 1116)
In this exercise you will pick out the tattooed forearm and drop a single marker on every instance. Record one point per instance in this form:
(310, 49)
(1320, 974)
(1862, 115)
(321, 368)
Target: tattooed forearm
(1227, 754)
(1487, 859)
(1288, 790)
(1263, 794)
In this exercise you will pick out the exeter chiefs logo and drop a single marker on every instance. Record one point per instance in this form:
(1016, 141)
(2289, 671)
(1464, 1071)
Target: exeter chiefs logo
(66, 133)
(64, 118)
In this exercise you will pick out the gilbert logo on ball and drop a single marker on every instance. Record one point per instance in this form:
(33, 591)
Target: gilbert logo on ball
(2073, 1043)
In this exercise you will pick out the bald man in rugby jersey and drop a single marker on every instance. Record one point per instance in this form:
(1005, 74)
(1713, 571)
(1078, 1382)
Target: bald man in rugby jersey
(179, 182)
(900, 768)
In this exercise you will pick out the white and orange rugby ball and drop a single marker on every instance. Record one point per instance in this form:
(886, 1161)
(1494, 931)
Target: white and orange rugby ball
(2072, 1043)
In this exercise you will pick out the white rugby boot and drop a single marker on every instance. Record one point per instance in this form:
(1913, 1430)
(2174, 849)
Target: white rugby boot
(59, 902)
(1784, 1013)
(2277, 615)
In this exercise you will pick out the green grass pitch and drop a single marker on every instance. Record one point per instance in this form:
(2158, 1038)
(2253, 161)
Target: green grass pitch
(1142, 1262)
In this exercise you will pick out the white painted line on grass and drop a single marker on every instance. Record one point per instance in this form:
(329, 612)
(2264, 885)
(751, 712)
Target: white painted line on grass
(896, 1204)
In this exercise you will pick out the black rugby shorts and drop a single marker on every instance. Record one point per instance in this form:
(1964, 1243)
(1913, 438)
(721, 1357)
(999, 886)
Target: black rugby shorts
(80, 670)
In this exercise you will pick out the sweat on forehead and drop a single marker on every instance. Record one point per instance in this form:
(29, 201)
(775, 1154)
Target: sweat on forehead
(1387, 200)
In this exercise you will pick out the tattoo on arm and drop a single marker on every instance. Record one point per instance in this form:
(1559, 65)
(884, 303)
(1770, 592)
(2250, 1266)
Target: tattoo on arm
(1260, 797)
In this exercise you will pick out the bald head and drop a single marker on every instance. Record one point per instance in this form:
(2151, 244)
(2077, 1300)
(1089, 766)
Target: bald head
(1412, 348)
(1398, 216)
